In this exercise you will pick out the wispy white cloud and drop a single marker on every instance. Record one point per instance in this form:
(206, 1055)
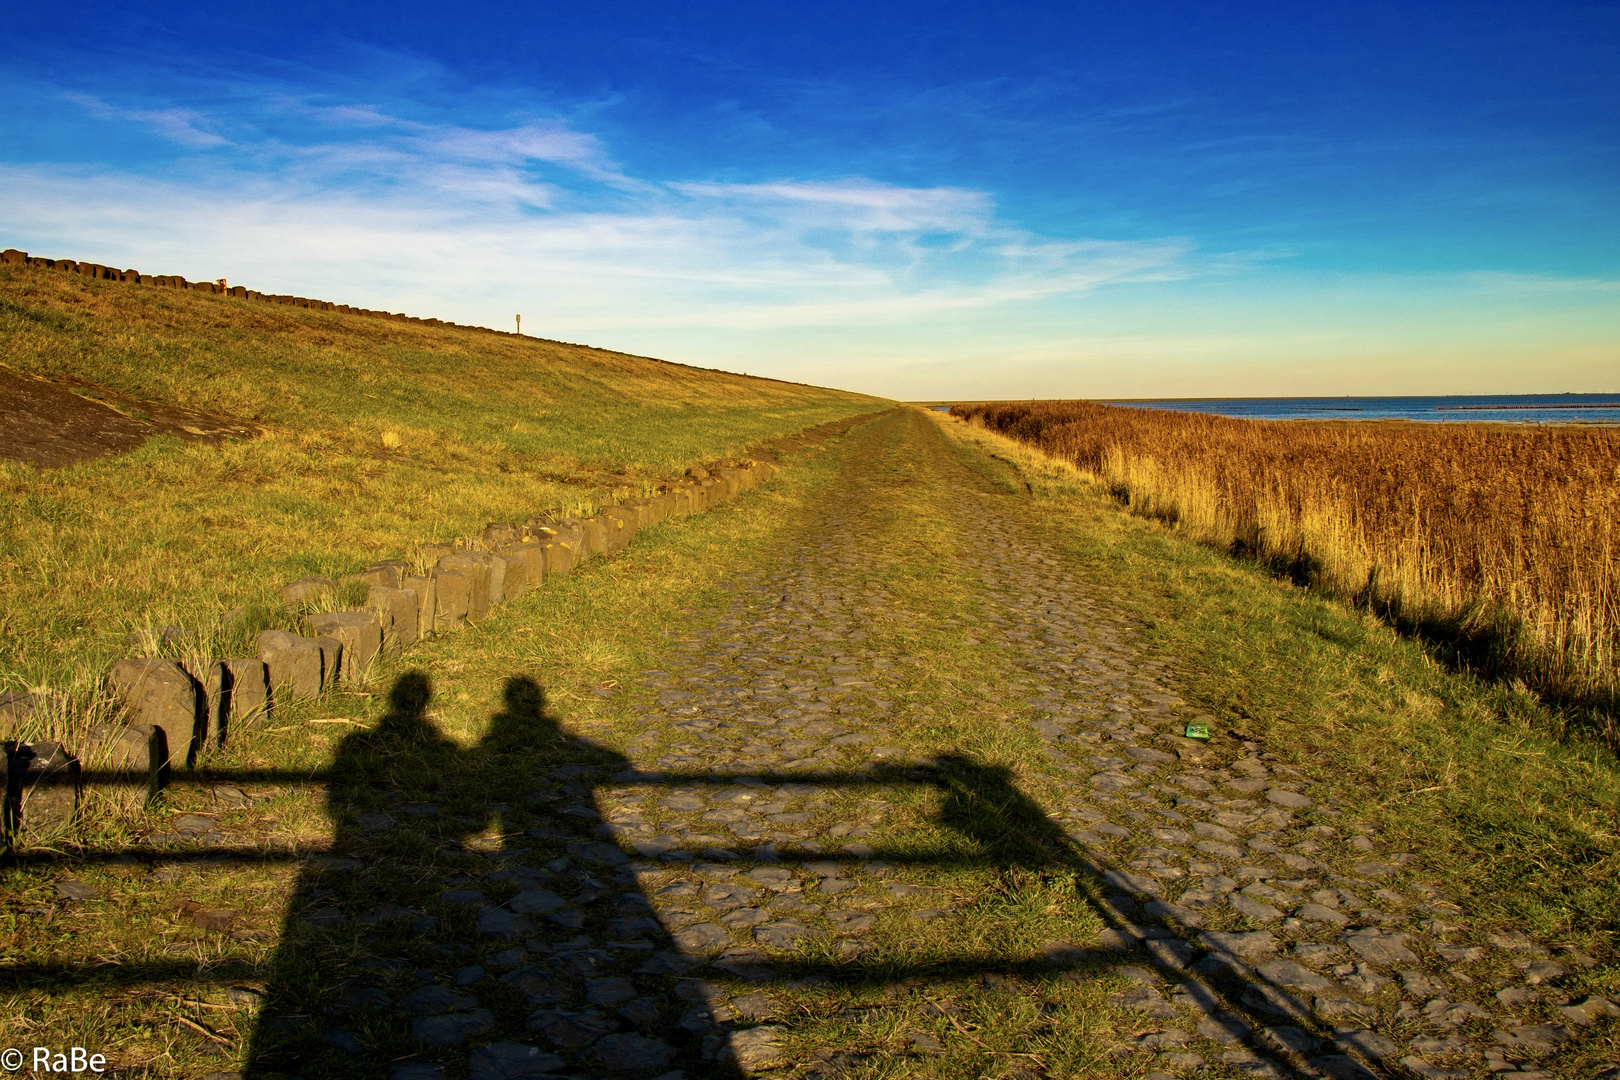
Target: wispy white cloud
(175, 124)
(904, 290)
(366, 206)
(857, 205)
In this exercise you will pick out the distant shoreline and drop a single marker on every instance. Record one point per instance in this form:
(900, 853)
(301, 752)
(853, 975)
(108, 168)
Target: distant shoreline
(1581, 405)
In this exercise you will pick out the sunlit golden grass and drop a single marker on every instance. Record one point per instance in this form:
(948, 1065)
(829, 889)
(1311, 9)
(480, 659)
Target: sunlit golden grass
(1499, 539)
(381, 435)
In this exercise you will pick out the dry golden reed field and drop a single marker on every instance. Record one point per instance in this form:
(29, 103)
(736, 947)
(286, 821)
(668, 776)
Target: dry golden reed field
(1497, 540)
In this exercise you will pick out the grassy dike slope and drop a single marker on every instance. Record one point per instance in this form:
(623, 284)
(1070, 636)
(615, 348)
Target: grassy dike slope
(488, 428)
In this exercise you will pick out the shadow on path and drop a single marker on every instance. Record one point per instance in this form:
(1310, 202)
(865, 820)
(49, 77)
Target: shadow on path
(471, 918)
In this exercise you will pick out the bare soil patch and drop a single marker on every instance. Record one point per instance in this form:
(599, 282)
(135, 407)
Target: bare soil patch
(52, 424)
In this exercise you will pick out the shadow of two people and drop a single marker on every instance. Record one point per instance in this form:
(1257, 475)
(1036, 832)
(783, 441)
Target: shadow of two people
(392, 951)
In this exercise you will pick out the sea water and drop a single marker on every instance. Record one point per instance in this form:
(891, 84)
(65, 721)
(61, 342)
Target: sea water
(1499, 408)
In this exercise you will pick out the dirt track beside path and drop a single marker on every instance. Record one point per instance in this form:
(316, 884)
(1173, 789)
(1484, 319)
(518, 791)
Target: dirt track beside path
(50, 424)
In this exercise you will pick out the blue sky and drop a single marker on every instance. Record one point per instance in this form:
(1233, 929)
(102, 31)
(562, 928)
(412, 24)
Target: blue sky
(918, 200)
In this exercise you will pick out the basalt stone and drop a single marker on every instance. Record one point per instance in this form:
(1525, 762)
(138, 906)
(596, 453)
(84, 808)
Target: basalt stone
(42, 790)
(331, 659)
(594, 536)
(532, 553)
(452, 596)
(618, 530)
(660, 508)
(248, 693)
(388, 573)
(498, 534)
(397, 614)
(361, 635)
(511, 1061)
(753, 1048)
(560, 554)
(18, 705)
(497, 576)
(571, 1030)
(639, 511)
(432, 553)
(1380, 946)
(427, 602)
(159, 692)
(502, 925)
(125, 765)
(292, 666)
(632, 1054)
(451, 1029)
(309, 590)
(477, 569)
(435, 1000)
(514, 574)
(211, 684)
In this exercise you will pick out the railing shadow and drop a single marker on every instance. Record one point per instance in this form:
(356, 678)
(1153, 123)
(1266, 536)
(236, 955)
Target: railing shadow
(411, 939)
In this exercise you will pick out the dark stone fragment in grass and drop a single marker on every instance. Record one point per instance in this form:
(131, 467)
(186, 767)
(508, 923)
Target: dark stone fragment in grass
(502, 924)
(1172, 914)
(1340, 1068)
(642, 1011)
(535, 902)
(745, 963)
(357, 994)
(416, 1070)
(567, 1029)
(217, 920)
(451, 1029)
(571, 917)
(632, 1053)
(325, 917)
(1290, 1039)
(753, 1048)
(347, 1041)
(598, 853)
(510, 1061)
(701, 938)
(435, 1000)
(851, 922)
(1225, 1029)
(536, 985)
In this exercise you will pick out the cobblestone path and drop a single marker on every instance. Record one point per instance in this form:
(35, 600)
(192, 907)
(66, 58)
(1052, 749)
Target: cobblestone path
(794, 820)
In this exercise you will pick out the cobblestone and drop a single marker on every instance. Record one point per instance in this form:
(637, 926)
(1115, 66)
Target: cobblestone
(674, 888)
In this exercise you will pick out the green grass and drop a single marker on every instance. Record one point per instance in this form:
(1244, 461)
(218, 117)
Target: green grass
(381, 435)
(1514, 826)
(1518, 816)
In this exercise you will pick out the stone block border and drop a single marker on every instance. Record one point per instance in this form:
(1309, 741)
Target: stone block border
(173, 710)
(218, 287)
